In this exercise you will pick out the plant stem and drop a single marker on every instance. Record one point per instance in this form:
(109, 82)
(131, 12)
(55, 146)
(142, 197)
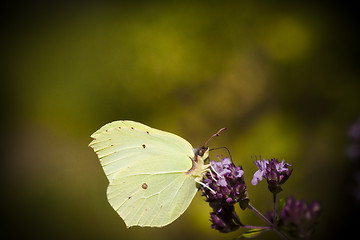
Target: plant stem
(274, 209)
(268, 222)
(260, 215)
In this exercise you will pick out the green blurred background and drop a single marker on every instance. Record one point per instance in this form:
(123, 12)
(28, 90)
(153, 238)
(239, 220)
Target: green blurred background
(282, 77)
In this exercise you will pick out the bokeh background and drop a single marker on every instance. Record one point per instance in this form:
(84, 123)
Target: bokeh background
(281, 76)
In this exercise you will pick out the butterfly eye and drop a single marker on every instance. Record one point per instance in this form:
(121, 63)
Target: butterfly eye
(201, 152)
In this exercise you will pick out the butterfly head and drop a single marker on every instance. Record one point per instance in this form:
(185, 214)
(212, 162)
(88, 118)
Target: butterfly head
(202, 152)
(198, 167)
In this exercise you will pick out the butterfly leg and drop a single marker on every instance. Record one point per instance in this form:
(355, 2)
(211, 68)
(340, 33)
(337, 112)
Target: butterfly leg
(209, 171)
(204, 185)
(213, 169)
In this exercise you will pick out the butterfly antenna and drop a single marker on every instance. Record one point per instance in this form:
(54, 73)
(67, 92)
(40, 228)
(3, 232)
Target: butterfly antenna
(226, 150)
(214, 135)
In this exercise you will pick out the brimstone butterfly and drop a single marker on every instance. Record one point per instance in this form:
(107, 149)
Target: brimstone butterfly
(152, 174)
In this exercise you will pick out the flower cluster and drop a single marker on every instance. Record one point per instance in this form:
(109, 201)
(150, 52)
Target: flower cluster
(353, 150)
(297, 217)
(276, 173)
(224, 218)
(223, 187)
(353, 153)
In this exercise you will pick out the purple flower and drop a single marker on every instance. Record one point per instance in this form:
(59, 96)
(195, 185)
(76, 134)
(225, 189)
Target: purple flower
(225, 219)
(224, 183)
(258, 175)
(297, 217)
(353, 150)
(281, 167)
(224, 187)
(354, 131)
(276, 173)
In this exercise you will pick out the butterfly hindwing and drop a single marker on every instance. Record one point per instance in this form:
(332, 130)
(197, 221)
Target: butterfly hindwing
(151, 199)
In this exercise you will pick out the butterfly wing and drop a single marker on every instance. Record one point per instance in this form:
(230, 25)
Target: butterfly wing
(146, 169)
(150, 199)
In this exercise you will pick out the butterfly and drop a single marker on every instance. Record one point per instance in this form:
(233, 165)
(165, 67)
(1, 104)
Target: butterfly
(153, 174)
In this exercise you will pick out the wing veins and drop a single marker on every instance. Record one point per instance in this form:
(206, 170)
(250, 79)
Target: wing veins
(154, 156)
(159, 193)
(136, 162)
(137, 209)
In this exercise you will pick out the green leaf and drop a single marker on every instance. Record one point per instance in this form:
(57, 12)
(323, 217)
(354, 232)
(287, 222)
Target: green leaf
(281, 203)
(244, 203)
(251, 233)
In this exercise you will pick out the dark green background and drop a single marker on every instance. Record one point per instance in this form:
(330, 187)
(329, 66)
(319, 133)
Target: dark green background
(282, 77)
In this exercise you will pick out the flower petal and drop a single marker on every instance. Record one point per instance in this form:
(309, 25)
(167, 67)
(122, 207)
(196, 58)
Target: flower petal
(238, 172)
(226, 162)
(222, 182)
(258, 175)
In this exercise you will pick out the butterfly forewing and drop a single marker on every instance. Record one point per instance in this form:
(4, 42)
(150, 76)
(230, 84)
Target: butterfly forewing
(123, 143)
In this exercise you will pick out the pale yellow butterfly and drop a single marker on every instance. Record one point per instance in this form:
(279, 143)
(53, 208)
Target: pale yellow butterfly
(152, 173)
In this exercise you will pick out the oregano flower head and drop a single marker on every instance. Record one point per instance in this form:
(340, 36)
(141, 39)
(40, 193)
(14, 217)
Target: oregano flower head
(223, 187)
(276, 173)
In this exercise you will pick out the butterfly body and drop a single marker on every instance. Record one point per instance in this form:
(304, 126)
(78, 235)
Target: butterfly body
(152, 173)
